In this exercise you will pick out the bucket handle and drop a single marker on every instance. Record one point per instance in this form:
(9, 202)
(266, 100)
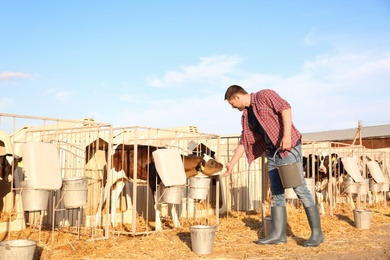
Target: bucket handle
(289, 151)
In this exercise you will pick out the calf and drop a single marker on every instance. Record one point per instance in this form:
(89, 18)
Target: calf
(324, 178)
(123, 158)
(310, 165)
(7, 168)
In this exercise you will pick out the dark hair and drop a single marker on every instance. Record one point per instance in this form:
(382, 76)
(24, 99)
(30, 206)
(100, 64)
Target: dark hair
(233, 90)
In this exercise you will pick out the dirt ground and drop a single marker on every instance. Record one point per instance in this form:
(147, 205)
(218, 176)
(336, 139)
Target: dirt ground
(234, 239)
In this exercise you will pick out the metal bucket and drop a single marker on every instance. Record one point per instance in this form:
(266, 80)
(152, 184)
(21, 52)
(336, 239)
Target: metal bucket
(386, 185)
(374, 186)
(351, 187)
(173, 194)
(75, 192)
(363, 187)
(199, 187)
(17, 249)
(202, 239)
(290, 173)
(362, 218)
(34, 200)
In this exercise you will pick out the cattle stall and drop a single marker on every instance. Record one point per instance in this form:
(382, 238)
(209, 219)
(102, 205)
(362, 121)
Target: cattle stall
(342, 175)
(139, 202)
(58, 181)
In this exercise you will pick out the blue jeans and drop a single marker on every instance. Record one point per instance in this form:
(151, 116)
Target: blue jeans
(277, 190)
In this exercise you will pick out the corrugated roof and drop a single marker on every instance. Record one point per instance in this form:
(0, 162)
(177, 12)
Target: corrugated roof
(379, 131)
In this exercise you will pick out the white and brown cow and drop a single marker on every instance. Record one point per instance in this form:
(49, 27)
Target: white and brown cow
(8, 164)
(317, 166)
(123, 159)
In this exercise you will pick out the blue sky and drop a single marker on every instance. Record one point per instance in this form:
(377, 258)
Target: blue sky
(168, 63)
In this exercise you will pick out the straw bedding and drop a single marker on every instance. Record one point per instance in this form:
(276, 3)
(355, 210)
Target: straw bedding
(234, 239)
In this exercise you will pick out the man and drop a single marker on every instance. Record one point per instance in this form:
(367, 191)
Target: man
(266, 126)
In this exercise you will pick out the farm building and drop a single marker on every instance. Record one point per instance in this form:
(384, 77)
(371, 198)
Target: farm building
(372, 137)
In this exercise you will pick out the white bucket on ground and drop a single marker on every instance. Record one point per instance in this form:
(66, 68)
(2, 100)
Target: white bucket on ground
(362, 218)
(33, 200)
(199, 187)
(173, 194)
(202, 239)
(75, 192)
(17, 249)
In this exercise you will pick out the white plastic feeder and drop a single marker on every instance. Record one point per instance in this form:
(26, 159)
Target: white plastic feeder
(351, 166)
(375, 171)
(41, 165)
(42, 169)
(169, 166)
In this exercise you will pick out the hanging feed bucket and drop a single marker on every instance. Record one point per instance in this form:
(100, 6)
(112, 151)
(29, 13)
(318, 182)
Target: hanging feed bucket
(202, 239)
(290, 173)
(351, 187)
(173, 194)
(75, 192)
(374, 186)
(199, 187)
(386, 185)
(363, 187)
(17, 249)
(362, 218)
(32, 199)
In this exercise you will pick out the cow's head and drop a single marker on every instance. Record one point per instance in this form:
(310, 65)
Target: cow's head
(321, 160)
(209, 166)
(6, 166)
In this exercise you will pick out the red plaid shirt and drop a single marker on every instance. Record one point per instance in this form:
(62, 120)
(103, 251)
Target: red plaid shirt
(267, 107)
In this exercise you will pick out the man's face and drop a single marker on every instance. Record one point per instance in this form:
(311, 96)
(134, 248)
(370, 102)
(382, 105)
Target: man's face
(236, 102)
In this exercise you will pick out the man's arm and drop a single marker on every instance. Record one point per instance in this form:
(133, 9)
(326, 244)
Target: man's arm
(287, 123)
(237, 155)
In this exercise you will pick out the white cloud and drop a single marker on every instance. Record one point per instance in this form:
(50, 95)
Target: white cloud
(207, 113)
(331, 92)
(209, 69)
(334, 92)
(11, 75)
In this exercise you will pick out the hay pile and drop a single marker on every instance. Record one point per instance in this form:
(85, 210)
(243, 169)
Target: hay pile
(234, 239)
